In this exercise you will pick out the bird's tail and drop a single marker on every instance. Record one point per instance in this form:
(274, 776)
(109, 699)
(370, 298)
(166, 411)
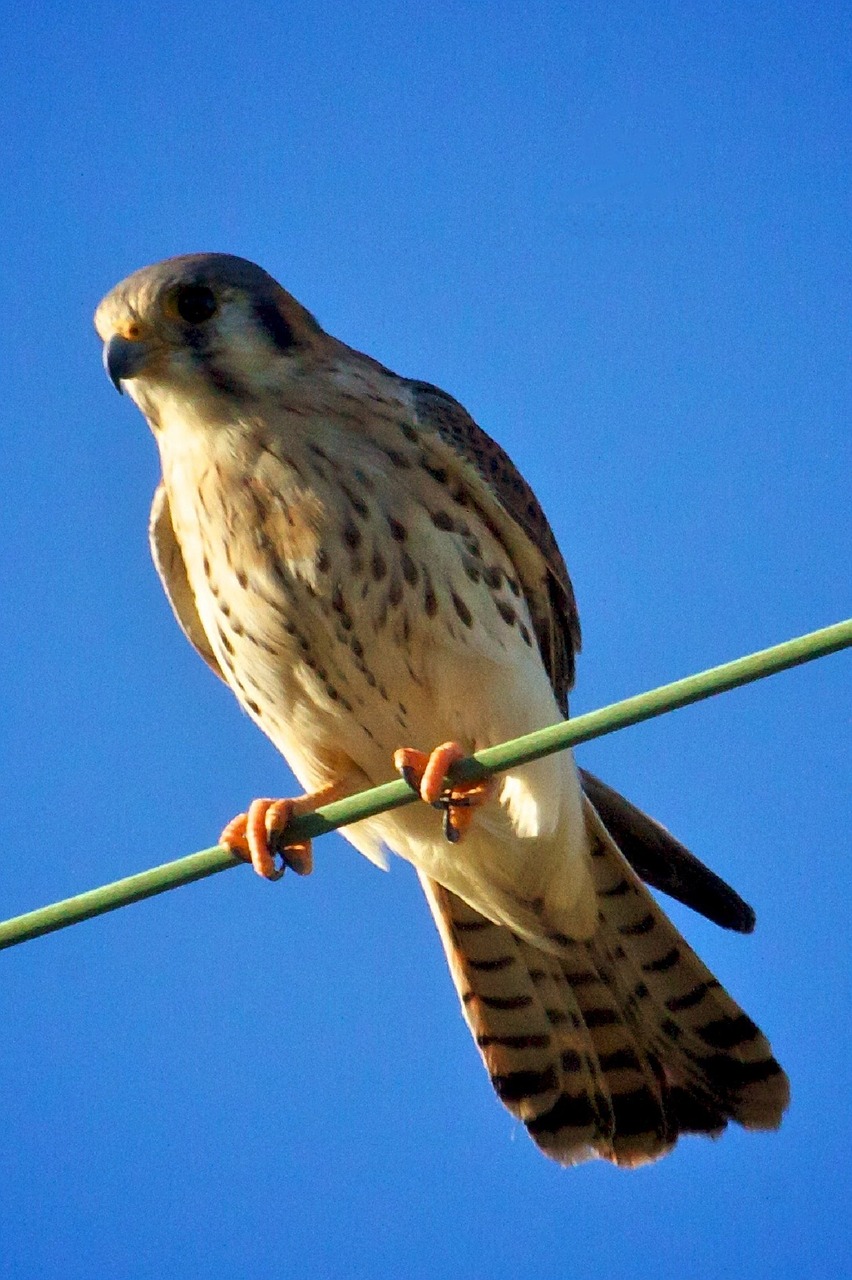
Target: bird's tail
(617, 1045)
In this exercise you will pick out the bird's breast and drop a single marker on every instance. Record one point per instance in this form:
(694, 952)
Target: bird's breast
(347, 607)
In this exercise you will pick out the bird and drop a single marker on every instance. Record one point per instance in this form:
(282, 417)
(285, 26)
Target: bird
(375, 581)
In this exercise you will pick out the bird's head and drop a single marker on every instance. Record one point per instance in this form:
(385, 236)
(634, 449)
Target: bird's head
(206, 323)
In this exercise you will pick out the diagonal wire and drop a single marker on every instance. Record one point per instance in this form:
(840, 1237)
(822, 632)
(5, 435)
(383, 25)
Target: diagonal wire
(392, 795)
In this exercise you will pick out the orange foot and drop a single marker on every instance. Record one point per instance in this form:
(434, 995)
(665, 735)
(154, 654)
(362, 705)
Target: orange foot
(257, 834)
(427, 774)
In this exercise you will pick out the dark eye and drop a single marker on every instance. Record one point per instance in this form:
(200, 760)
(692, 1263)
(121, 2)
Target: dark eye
(195, 303)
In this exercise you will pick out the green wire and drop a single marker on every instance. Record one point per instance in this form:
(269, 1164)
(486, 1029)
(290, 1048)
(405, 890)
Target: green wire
(392, 795)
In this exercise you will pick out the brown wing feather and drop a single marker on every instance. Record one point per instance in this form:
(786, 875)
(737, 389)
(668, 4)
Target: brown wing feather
(551, 598)
(168, 561)
(663, 862)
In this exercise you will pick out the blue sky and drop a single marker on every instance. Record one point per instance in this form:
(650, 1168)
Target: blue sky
(619, 234)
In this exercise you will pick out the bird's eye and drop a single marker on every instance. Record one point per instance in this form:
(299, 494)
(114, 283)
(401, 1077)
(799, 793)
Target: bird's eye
(195, 303)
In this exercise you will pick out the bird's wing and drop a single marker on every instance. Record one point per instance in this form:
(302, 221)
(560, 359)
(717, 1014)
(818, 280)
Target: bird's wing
(660, 859)
(169, 563)
(663, 862)
(508, 502)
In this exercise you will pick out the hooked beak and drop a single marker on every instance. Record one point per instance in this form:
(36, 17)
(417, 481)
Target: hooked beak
(124, 359)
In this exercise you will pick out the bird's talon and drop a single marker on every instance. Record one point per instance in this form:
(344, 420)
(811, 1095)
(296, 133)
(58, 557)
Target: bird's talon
(409, 776)
(426, 775)
(278, 868)
(259, 836)
(451, 832)
(461, 800)
(298, 857)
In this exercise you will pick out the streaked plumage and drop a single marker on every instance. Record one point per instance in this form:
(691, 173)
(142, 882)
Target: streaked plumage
(367, 569)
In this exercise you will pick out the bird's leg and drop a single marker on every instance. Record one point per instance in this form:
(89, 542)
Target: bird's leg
(427, 774)
(260, 834)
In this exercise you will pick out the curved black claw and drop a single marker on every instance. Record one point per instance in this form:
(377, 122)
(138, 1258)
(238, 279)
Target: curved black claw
(448, 802)
(409, 776)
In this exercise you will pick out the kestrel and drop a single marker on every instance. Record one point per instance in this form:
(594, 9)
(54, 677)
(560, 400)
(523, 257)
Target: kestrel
(377, 584)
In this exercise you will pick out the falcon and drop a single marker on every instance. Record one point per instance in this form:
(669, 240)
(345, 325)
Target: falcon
(379, 587)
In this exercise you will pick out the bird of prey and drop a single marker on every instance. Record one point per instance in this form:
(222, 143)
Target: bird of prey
(378, 585)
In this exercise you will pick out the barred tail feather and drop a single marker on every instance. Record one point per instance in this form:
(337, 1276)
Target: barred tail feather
(617, 1045)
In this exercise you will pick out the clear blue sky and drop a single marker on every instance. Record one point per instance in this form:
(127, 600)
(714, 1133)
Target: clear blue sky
(620, 235)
